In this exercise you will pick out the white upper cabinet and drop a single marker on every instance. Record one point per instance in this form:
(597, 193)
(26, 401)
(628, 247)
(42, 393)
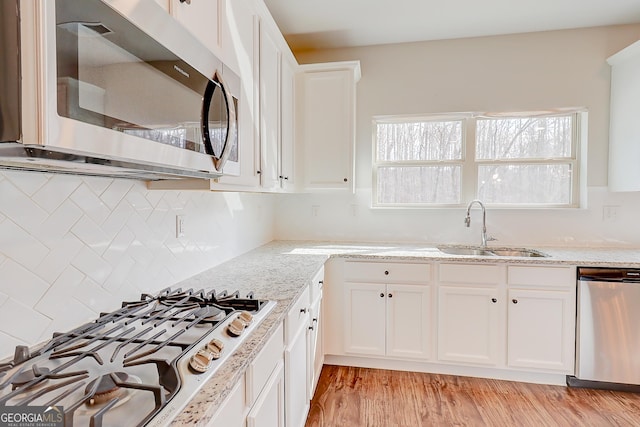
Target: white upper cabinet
(327, 102)
(203, 18)
(278, 68)
(624, 132)
(242, 56)
(269, 110)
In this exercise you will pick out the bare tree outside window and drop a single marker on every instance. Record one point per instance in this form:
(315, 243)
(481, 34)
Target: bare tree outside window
(520, 160)
(419, 162)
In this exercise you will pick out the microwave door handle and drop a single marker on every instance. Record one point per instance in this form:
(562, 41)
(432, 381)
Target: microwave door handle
(232, 128)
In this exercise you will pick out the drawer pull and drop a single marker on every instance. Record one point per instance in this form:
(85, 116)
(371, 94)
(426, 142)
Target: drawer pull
(381, 294)
(390, 295)
(386, 272)
(515, 301)
(494, 300)
(303, 310)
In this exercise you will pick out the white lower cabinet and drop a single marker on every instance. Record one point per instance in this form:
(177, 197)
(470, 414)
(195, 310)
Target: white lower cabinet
(506, 320)
(232, 413)
(470, 324)
(258, 399)
(315, 345)
(388, 319)
(541, 318)
(268, 411)
(295, 362)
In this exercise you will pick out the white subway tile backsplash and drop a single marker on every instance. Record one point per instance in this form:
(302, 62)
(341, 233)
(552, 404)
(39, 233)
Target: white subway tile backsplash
(28, 183)
(60, 257)
(31, 325)
(8, 343)
(91, 205)
(91, 234)
(116, 191)
(140, 204)
(19, 207)
(91, 264)
(98, 185)
(58, 224)
(55, 191)
(71, 247)
(19, 245)
(96, 297)
(118, 218)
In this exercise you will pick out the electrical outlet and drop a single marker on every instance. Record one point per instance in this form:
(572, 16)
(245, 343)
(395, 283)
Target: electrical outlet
(180, 220)
(610, 213)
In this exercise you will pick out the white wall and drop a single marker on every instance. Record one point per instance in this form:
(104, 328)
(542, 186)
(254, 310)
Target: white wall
(71, 247)
(503, 73)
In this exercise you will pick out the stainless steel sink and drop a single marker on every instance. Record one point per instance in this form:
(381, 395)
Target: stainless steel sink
(502, 252)
(517, 252)
(466, 251)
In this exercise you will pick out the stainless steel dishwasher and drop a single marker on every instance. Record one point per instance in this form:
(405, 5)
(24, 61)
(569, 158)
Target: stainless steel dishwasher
(608, 329)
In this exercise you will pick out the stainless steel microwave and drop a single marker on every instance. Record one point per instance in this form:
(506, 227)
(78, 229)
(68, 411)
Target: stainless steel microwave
(112, 87)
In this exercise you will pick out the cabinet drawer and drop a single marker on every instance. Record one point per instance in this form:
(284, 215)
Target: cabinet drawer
(316, 285)
(298, 317)
(387, 272)
(542, 276)
(263, 365)
(470, 273)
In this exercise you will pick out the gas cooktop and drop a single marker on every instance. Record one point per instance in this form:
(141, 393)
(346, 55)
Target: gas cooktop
(139, 365)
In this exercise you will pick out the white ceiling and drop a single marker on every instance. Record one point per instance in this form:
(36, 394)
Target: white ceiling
(319, 24)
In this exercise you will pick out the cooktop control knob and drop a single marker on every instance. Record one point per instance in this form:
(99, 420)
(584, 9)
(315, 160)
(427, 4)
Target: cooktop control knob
(201, 361)
(236, 327)
(246, 317)
(215, 347)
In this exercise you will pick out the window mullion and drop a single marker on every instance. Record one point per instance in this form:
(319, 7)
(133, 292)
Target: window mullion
(469, 166)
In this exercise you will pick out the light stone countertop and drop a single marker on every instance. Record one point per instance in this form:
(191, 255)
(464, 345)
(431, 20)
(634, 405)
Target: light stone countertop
(280, 270)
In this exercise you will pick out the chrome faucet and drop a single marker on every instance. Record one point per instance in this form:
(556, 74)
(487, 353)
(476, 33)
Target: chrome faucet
(467, 220)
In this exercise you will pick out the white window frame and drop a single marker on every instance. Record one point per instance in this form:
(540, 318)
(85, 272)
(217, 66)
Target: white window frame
(469, 164)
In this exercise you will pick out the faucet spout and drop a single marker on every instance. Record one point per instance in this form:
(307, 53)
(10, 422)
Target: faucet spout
(467, 219)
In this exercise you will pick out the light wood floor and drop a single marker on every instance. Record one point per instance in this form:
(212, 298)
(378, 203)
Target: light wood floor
(356, 397)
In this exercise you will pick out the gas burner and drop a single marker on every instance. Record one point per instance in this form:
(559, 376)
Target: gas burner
(214, 314)
(106, 389)
(28, 376)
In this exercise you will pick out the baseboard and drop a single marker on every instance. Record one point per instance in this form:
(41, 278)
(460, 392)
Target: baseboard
(439, 368)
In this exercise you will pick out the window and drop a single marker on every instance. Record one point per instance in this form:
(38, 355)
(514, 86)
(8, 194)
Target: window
(527, 159)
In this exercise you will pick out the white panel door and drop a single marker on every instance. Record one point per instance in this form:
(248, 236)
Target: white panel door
(202, 18)
(328, 121)
(295, 359)
(268, 410)
(470, 328)
(540, 329)
(269, 110)
(364, 318)
(409, 321)
(287, 123)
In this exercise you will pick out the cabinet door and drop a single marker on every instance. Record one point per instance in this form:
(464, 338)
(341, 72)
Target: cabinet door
(287, 109)
(244, 57)
(540, 329)
(268, 410)
(469, 324)
(364, 318)
(328, 107)
(164, 4)
(202, 18)
(409, 321)
(295, 359)
(232, 412)
(269, 111)
(314, 351)
(624, 133)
